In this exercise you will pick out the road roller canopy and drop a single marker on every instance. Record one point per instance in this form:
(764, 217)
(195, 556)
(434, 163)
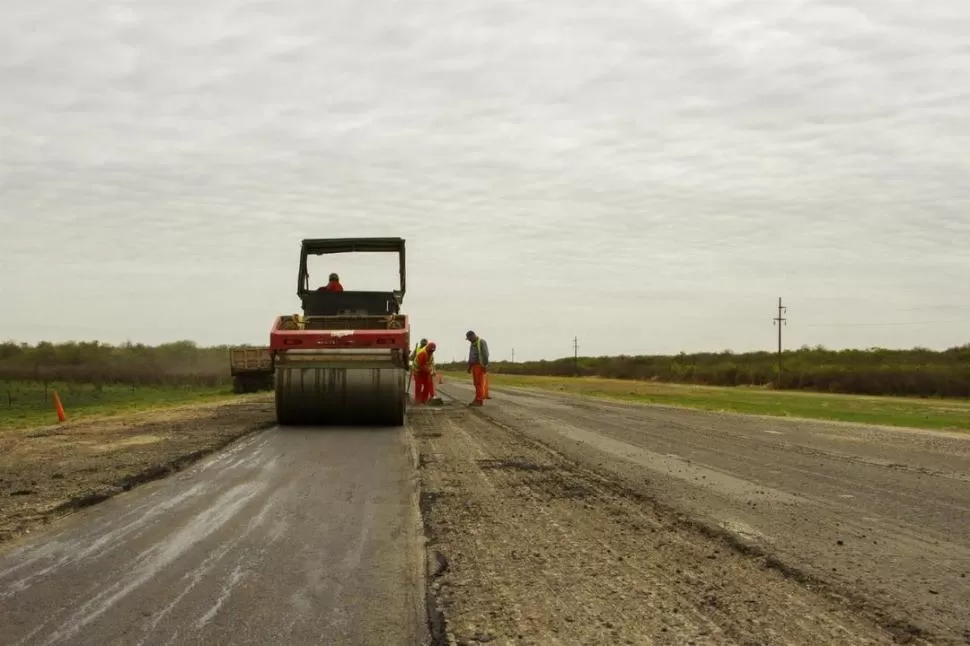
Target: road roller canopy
(329, 303)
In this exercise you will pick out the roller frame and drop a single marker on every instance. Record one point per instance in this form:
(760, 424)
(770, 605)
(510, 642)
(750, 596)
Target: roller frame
(343, 376)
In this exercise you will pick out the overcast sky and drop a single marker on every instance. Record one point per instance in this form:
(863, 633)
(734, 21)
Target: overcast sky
(647, 176)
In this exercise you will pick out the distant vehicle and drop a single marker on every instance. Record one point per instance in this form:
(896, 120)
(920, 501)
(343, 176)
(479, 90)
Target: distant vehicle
(252, 369)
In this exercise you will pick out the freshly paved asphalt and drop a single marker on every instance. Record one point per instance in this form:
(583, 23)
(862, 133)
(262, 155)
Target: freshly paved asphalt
(291, 536)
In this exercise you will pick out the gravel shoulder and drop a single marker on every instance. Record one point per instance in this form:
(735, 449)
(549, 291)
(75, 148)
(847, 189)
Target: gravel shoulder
(52, 471)
(878, 517)
(530, 547)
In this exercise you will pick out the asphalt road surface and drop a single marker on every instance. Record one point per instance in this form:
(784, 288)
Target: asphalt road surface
(291, 536)
(880, 517)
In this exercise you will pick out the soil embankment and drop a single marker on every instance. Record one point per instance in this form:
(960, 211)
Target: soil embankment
(49, 472)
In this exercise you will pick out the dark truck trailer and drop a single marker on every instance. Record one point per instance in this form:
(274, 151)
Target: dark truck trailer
(252, 369)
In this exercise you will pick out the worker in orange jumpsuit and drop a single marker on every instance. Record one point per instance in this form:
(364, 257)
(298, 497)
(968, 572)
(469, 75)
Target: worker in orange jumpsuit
(433, 392)
(413, 365)
(333, 286)
(424, 367)
(478, 366)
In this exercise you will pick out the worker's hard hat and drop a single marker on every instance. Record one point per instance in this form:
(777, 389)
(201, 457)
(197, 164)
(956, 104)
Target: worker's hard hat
(470, 335)
(334, 277)
(432, 347)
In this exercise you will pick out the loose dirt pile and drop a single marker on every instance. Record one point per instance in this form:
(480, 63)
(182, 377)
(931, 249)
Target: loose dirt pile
(51, 471)
(529, 548)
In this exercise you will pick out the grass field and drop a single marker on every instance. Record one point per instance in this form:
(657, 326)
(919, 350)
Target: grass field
(26, 404)
(890, 411)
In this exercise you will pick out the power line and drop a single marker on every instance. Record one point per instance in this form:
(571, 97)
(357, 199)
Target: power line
(880, 324)
(931, 307)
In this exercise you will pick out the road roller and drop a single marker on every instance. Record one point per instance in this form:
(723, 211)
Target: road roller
(344, 360)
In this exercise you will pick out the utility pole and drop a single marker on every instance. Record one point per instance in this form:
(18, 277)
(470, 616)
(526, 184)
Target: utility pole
(513, 355)
(779, 321)
(576, 356)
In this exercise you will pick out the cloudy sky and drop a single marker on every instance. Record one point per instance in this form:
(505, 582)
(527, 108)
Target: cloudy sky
(649, 176)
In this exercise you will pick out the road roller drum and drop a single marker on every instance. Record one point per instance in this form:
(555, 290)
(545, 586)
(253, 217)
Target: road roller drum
(340, 394)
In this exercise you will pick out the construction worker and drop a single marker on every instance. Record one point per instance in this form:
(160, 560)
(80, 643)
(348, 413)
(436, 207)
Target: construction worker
(478, 366)
(424, 366)
(433, 391)
(414, 366)
(332, 286)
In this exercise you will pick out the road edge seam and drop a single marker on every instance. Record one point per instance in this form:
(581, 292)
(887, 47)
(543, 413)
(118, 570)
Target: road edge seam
(435, 563)
(132, 481)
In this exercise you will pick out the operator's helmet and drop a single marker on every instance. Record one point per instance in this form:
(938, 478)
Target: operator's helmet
(432, 346)
(334, 277)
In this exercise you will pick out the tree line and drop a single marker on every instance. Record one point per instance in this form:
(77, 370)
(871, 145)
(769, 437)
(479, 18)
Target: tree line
(181, 363)
(875, 371)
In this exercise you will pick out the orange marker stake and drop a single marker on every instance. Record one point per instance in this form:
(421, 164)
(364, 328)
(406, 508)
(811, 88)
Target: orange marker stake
(59, 408)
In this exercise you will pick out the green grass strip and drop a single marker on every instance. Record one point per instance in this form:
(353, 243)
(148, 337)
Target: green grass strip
(946, 414)
(30, 404)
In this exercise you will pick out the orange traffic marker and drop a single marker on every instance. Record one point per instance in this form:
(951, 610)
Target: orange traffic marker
(59, 408)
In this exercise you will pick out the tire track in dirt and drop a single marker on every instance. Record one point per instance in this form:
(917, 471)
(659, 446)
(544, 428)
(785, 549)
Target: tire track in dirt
(530, 548)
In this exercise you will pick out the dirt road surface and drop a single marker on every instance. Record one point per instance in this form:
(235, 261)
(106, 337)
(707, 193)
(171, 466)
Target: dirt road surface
(601, 522)
(289, 536)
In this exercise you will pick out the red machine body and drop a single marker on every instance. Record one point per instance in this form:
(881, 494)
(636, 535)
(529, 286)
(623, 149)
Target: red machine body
(284, 337)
